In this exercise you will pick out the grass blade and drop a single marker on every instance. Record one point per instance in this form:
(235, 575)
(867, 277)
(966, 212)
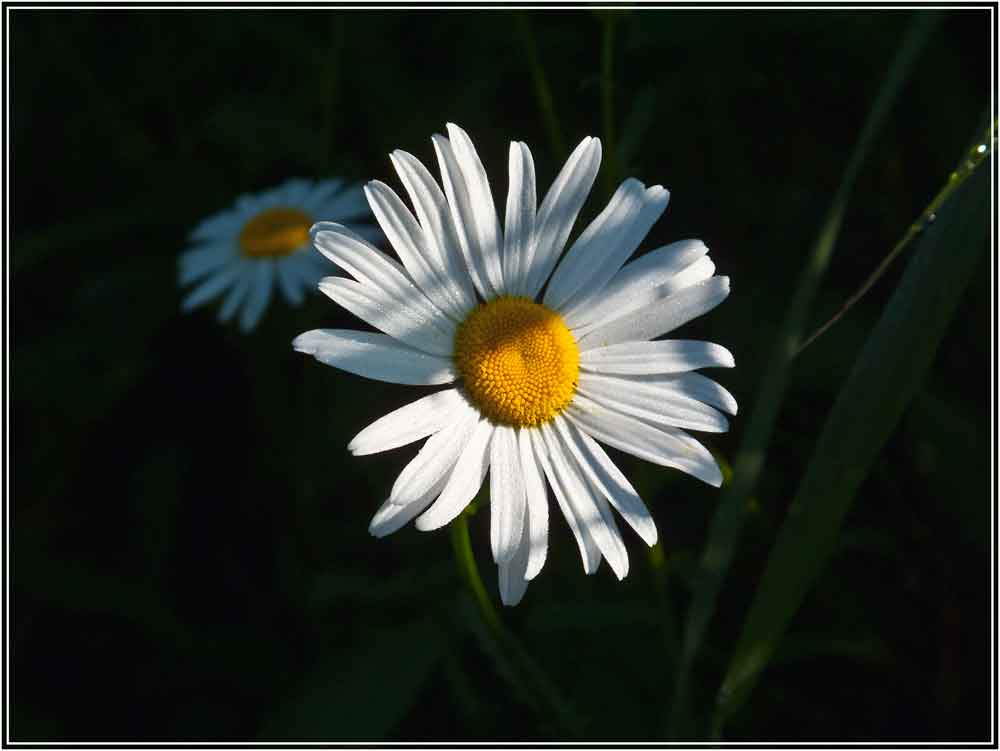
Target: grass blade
(727, 524)
(883, 381)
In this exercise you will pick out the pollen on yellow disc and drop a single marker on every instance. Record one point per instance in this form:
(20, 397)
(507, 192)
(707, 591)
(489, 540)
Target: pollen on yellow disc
(518, 361)
(275, 232)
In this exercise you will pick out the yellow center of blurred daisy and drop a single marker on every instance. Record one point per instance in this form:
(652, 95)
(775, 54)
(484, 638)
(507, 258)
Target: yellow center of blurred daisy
(275, 232)
(518, 361)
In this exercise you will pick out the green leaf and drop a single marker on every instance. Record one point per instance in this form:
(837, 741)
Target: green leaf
(360, 692)
(731, 512)
(885, 377)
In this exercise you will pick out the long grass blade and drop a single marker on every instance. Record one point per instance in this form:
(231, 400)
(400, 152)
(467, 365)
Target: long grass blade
(730, 514)
(885, 377)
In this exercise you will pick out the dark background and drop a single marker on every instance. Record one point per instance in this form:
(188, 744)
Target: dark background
(189, 534)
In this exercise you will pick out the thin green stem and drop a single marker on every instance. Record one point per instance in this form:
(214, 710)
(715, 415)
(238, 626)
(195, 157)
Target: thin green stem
(730, 514)
(976, 156)
(542, 92)
(529, 677)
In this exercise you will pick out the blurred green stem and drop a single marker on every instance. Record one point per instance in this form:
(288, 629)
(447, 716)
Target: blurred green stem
(608, 21)
(530, 678)
(730, 514)
(542, 92)
(975, 157)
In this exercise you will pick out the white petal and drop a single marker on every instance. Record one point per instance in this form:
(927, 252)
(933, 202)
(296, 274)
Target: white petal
(701, 388)
(199, 262)
(288, 281)
(507, 494)
(435, 220)
(665, 356)
(409, 423)
(604, 475)
(558, 212)
(667, 447)
(660, 317)
(590, 554)
(538, 504)
(652, 402)
(391, 516)
(237, 293)
(512, 576)
(375, 356)
(607, 243)
(407, 239)
(463, 217)
(260, 294)
(587, 502)
(375, 269)
(436, 457)
(410, 323)
(212, 286)
(464, 482)
(488, 238)
(640, 282)
(520, 219)
(225, 224)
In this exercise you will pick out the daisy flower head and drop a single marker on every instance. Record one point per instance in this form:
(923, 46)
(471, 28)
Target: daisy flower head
(241, 253)
(546, 354)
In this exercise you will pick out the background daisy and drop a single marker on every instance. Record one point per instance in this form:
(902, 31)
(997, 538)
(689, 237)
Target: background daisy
(539, 376)
(242, 253)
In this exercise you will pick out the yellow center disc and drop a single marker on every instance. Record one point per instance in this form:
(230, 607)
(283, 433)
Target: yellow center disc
(275, 232)
(518, 361)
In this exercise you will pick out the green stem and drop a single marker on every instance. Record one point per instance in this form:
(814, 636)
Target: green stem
(730, 514)
(529, 677)
(542, 92)
(975, 157)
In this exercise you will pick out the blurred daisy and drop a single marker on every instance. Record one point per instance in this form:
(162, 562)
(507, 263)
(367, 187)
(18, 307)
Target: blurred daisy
(538, 379)
(261, 241)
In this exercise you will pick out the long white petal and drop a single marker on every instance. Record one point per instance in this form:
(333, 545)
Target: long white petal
(655, 275)
(559, 210)
(652, 402)
(507, 494)
(436, 457)
(587, 502)
(464, 482)
(607, 243)
(520, 218)
(407, 238)
(391, 516)
(610, 480)
(260, 294)
(435, 220)
(383, 276)
(667, 447)
(288, 281)
(538, 504)
(237, 293)
(214, 285)
(409, 423)
(660, 317)
(375, 356)
(410, 324)
(665, 356)
(463, 217)
(698, 387)
(590, 554)
(489, 239)
(512, 575)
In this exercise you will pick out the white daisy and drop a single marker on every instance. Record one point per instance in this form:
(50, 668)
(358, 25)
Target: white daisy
(262, 240)
(538, 379)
